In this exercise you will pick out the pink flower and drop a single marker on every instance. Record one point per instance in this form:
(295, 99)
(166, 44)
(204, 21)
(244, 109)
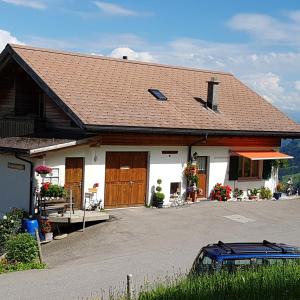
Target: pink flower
(43, 169)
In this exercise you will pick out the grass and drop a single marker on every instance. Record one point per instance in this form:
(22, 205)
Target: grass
(275, 282)
(8, 267)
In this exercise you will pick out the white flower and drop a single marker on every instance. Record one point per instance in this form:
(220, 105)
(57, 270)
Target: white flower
(4, 217)
(11, 221)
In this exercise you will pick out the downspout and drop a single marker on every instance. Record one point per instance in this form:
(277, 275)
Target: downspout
(189, 153)
(31, 208)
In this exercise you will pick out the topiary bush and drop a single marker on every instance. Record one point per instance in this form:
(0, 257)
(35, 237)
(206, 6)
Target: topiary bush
(21, 248)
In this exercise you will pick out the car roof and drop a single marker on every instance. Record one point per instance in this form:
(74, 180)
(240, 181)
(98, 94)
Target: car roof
(248, 250)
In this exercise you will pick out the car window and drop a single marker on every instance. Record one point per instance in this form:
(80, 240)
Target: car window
(234, 264)
(203, 263)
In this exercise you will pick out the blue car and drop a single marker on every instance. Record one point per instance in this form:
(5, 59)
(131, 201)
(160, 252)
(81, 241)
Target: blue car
(233, 256)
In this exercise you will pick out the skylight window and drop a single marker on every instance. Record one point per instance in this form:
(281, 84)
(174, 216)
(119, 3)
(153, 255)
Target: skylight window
(157, 94)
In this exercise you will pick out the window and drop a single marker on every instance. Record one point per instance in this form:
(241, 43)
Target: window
(202, 164)
(53, 177)
(203, 264)
(232, 265)
(175, 188)
(248, 168)
(157, 94)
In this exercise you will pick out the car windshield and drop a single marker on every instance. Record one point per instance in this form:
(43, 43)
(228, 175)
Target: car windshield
(234, 264)
(203, 263)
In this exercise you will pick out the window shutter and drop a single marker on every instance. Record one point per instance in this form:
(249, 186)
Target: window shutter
(267, 169)
(233, 167)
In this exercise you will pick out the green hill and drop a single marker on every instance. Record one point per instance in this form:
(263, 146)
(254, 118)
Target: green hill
(292, 148)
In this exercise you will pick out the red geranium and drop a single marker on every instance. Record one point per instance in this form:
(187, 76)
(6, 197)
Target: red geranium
(220, 192)
(43, 169)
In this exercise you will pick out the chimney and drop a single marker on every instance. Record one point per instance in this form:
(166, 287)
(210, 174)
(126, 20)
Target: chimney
(125, 57)
(212, 94)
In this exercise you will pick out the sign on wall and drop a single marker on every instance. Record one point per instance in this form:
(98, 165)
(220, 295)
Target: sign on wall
(14, 166)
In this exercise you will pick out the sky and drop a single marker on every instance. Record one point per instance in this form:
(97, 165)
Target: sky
(258, 41)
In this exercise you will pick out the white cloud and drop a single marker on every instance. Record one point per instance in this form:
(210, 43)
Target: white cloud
(37, 4)
(114, 9)
(268, 29)
(6, 37)
(297, 85)
(131, 54)
(270, 86)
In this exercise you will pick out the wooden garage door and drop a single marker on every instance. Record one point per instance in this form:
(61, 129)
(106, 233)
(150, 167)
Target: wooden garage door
(74, 178)
(125, 179)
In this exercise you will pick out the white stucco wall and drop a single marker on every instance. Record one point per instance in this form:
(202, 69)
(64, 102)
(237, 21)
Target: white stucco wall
(169, 168)
(14, 184)
(218, 169)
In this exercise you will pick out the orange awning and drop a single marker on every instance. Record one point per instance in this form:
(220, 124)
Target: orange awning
(263, 155)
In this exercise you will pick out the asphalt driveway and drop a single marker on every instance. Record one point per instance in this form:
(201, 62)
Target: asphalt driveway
(149, 243)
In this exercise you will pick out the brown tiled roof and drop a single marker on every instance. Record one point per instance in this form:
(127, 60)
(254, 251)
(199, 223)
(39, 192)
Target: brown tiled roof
(104, 91)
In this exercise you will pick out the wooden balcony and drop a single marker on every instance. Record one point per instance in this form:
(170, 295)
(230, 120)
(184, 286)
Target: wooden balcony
(10, 127)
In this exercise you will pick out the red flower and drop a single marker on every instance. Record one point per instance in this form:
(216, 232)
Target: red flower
(43, 170)
(220, 192)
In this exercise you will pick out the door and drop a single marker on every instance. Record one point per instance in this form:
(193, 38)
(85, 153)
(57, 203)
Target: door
(125, 179)
(202, 176)
(74, 178)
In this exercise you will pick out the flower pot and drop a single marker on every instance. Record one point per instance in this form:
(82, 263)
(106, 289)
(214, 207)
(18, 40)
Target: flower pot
(277, 195)
(48, 236)
(159, 204)
(43, 175)
(253, 197)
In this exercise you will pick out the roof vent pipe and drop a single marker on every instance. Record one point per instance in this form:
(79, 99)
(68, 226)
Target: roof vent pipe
(125, 57)
(212, 94)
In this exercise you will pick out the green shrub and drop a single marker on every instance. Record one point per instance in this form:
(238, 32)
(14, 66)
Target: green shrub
(6, 267)
(21, 248)
(158, 188)
(52, 190)
(159, 196)
(10, 224)
(265, 193)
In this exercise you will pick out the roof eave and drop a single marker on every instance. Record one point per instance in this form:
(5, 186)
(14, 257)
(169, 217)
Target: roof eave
(14, 150)
(189, 131)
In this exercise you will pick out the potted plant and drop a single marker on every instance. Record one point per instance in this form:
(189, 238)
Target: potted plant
(190, 173)
(252, 193)
(220, 192)
(43, 170)
(46, 228)
(238, 194)
(265, 193)
(52, 190)
(159, 196)
(278, 193)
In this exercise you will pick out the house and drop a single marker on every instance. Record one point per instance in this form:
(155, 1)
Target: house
(123, 124)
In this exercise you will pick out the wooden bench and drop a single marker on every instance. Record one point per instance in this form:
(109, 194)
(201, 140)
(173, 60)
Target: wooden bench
(53, 204)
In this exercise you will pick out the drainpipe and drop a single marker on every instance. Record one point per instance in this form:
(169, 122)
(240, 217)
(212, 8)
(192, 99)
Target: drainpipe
(31, 208)
(189, 153)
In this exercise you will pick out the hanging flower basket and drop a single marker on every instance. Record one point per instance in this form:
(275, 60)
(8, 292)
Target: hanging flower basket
(43, 170)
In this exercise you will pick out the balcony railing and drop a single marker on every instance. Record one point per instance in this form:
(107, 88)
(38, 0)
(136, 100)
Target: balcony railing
(16, 127)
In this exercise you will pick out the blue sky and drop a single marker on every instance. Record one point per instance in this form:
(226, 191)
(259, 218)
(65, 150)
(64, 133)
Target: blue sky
(258, 41)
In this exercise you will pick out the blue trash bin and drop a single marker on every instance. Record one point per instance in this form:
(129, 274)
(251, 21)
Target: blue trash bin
(30, 225)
